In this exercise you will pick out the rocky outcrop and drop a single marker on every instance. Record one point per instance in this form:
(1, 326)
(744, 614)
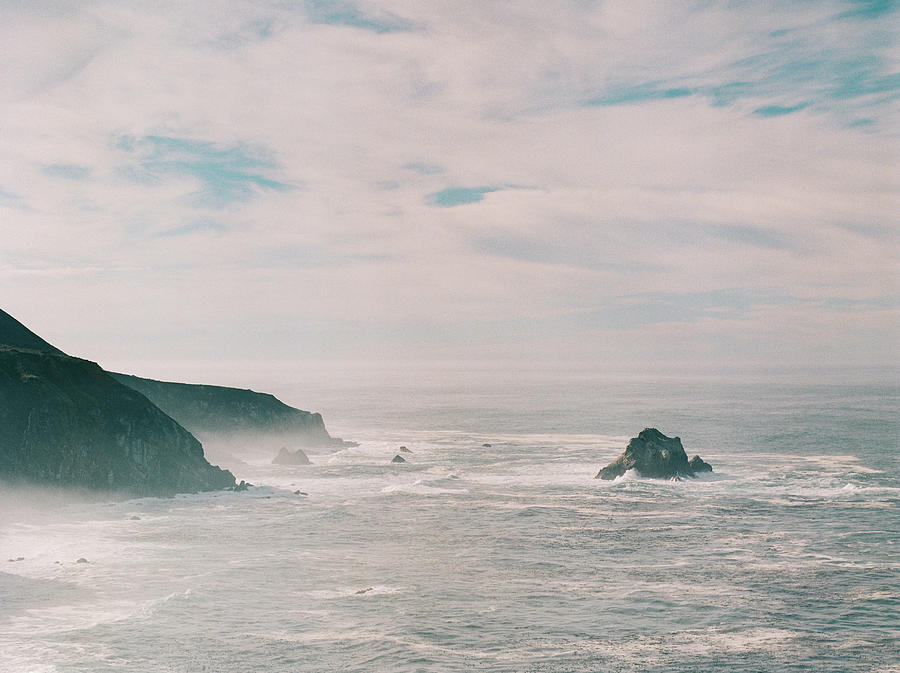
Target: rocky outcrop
(398, 459)
(699, 465)
(214, 411)
(652, 454)
(65, 421)
(287, 457)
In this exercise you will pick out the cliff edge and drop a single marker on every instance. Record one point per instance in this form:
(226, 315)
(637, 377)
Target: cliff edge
(64, 421)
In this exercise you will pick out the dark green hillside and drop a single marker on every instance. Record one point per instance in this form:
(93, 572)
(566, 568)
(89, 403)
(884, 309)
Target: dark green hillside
(65, 421)
(16, 335)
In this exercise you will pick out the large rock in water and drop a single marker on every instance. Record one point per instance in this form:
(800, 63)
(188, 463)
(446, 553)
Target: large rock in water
(654, 455)
(64, 421)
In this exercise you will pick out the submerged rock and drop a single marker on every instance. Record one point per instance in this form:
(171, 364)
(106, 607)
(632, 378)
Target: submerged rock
(486, 446)
(287, 457)
(654, 455)
(81, 560)
(398, 459)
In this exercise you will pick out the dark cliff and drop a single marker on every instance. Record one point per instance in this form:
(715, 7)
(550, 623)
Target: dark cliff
(15, 335)
(65, 421)
(217, 410)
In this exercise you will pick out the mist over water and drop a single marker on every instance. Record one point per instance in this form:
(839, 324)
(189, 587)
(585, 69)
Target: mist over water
(508, 557)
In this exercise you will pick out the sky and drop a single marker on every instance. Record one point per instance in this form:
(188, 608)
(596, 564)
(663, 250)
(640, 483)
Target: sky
(598, 183)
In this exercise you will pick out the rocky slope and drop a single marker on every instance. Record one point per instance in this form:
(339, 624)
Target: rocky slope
(210, 411)
(654, 455)
(65, 421)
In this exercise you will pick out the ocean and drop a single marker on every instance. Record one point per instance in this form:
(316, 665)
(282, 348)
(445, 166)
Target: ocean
(493, 548)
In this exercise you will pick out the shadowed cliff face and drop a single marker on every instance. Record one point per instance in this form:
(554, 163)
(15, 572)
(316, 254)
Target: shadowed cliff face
(210, 411)
(65, 421)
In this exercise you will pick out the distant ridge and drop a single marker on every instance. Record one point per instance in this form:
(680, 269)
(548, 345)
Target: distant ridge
(213, 411)
(16, 335)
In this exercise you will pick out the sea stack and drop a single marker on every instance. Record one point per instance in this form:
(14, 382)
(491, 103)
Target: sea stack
(653, 454)
(287, 457)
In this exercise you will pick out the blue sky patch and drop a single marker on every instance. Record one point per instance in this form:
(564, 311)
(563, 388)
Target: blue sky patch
(777, 110)
(343, 13)
(67, 171)
(226, 174)
(868, 9)
(640, 94)
(458, 196)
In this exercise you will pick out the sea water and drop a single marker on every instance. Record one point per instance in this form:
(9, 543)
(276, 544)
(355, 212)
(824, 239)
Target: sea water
(493, 548)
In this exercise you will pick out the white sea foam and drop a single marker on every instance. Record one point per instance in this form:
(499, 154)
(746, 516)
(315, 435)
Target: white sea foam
(349, 592)
(420, 487)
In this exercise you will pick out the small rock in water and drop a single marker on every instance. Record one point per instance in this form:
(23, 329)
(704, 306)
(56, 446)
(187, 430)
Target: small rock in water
(398, 459)
(13, 560)
(81, 560)
(300, 493)
(699, 465)
(365, 591)
(135, 518)
(286, 457)
(486, 446)
(243, 486)
(405, 450)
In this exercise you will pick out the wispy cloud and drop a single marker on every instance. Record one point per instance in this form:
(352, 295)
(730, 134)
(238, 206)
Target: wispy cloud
(193, 228)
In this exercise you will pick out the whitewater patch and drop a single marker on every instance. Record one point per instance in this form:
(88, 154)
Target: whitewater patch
(422, 487)
(350, 592)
